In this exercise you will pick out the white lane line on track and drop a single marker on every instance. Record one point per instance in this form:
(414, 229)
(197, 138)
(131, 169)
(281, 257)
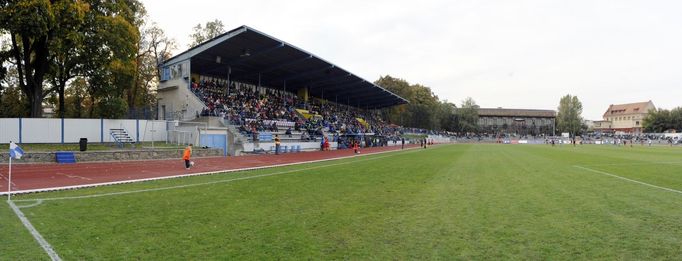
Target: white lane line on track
(72, 176)
(222, 181)
(627, 179)
(43, 243)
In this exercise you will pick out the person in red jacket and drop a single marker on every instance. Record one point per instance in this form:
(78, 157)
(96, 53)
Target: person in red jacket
(186, 156)
(356, 147)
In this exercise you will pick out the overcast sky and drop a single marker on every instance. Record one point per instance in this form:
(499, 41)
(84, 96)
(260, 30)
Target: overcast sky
(511, 54)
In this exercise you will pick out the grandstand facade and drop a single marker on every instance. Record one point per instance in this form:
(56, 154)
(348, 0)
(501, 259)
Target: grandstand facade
(261, 88)
(499, 121)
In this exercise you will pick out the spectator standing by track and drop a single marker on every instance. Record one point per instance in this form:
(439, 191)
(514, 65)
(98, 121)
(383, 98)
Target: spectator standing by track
(186, 156)
(277, 144)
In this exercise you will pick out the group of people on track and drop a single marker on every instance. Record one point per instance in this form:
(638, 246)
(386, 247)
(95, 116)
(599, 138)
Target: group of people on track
(187, 153)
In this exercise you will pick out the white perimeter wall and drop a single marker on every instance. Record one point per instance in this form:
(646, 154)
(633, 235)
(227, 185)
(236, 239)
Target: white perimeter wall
(95, 130)
(9, 130)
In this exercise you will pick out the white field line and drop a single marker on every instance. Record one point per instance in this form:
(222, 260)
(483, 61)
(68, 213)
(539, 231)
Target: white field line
(635, 163)
(38, 202)
(43, 243)
(627, 179)
(207, 183)
(192, 174)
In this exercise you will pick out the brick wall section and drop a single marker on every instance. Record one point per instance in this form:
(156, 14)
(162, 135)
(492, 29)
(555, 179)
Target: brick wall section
(121, 155)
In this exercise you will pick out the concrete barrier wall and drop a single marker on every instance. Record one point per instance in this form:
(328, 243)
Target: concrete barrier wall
(40, 130)
(74, 129)
(305, 146)
(117, 155)
(9, 130)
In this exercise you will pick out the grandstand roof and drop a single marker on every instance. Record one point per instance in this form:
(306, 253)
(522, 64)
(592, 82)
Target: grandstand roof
(252, 56)
(500, 112)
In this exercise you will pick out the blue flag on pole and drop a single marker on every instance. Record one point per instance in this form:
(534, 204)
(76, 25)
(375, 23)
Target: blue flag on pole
(15, 151)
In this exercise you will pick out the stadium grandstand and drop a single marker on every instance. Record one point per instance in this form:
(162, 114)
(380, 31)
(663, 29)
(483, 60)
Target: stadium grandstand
(517, 122)
(259, 87)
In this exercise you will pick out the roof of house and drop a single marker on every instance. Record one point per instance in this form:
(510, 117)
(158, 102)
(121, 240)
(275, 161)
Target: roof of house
(629, 108)
(500, 112)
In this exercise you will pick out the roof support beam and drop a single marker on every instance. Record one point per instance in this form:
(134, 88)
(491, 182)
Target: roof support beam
(338, 86)
(376, 99)
(316, 84)
(240, 59)
(303, 74)
(253, 54)
(343, 90)
(281, 64)
(343, 86)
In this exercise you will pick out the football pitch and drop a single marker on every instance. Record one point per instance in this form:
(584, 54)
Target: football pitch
(464, 201)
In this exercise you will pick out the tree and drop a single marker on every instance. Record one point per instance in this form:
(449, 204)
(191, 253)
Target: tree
(201, 34)
(31, 28)
(467, 116)
(662, 120)
(154, 48)
(13, 103)
(75, 102)
(67, 56)
(569, 117)
(425, 110)
(54, 41)
(111, 46)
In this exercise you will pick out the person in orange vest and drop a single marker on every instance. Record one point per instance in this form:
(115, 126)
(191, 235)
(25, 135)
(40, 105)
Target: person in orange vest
(356, 147)
(326, 143)
(186, 156)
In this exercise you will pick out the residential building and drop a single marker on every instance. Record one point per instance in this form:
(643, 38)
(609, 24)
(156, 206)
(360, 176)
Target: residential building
(625, 118)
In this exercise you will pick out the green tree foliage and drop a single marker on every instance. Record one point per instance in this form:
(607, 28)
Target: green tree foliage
(67, 48)
(76, 101)
(569, 117)
(14, 103)
(206, 32)
(116, 72)
(154, 47)
(111, 107)
(468, 116)
(54, 41)
(425, 110)
(663, 120)
(31, 28)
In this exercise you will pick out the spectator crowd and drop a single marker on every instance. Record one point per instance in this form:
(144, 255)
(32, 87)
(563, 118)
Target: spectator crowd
(257, 109)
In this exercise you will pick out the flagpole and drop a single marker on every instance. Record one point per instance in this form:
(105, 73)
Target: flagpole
(9, 181)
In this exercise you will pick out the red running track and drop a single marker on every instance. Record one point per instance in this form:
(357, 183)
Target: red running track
(31, 177)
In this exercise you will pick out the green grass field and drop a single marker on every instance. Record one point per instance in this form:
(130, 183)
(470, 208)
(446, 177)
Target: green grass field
(477, 202)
